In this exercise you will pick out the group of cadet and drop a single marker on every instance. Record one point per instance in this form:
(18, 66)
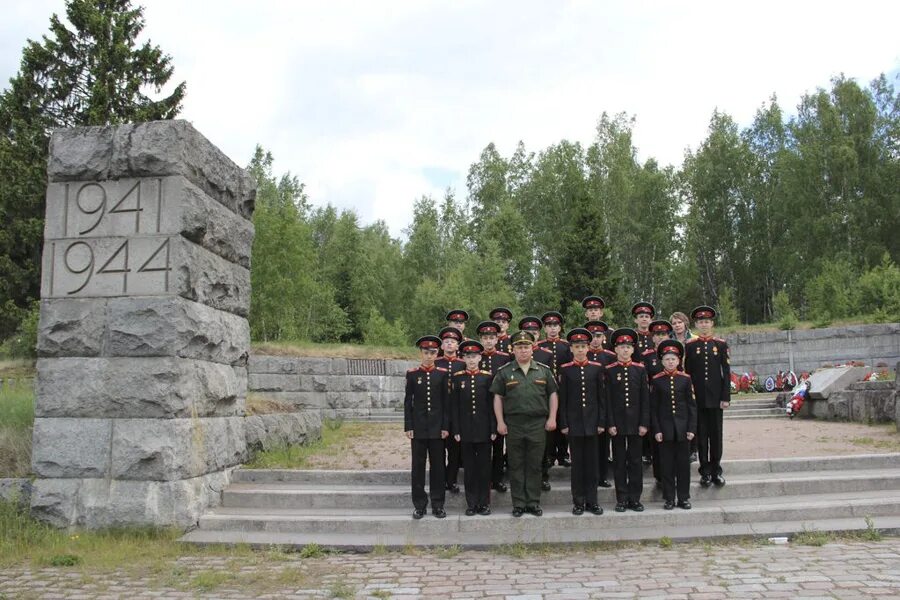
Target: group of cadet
(639, 392)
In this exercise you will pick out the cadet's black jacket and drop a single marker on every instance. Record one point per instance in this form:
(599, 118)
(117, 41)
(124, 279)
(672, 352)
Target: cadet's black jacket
(451, 364)
(503, 343)
(673, 410)
(652, 363)
(426, 405)
(627, 397)
(472, 412)
(492, 361)
(541, 355)
(582, 398)
(644, 343)
(706, 361)
(560, 354)
(604, 357)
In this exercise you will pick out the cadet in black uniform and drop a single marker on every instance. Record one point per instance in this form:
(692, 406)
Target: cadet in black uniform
(560, 353)
(628, 419)
(451, 337)
(474, 425)
(643, 313)
(582, 416)
(426, 423)
(674, 419)
(457, 318)
(502, 316)
(706, 361)
(598, 352)
(491, 360)
(659, 331)
(593, 308)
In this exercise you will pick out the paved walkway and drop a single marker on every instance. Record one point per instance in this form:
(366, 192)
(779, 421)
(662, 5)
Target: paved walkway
(836, 570)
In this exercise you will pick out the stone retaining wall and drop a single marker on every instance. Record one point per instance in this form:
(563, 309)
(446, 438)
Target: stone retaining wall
(861, 402)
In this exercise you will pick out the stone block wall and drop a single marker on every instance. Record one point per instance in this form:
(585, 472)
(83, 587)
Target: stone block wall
(143, 337)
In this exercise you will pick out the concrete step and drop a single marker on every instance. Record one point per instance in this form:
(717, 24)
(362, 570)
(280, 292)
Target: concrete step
(752, 404)
(755, 413)
(299, 496)
(610, 531)
(559, 474)
(556, 520)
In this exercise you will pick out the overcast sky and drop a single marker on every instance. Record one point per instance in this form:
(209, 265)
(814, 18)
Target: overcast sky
(373, 104)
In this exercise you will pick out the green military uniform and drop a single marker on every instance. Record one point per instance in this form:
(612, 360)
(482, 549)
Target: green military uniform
(526, 408)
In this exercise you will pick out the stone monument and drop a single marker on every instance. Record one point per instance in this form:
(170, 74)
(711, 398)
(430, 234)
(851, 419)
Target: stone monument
(143, 340)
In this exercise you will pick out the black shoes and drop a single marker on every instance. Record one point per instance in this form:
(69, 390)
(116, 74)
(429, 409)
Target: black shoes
(438, 513)
(535, 510)
(470, 512)
(453, 488)
(636, 506)
(604, 483)
(564, 462)
(500, 487)
(518, 511)
(545, 485)
(621, 506)
(685, 504)
(669, 505)
(418, 513)
(718, 481)
(693, 457)
(594, 509)
(484, 510)
(577, 510)
(705, 480)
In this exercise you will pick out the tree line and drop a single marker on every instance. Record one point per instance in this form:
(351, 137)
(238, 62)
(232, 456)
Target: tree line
(794, 216)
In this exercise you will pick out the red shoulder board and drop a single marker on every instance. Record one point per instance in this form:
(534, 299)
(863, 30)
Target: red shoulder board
(610, 352)
(501, 353)
(615, 364)
(413, 370)
(595, 363)
(692, 340)
(648, 351)
(719, 339)
(458, 373)
(683, 374)
(658, 375)
(441, 369)
(641, 365)
(568, 364)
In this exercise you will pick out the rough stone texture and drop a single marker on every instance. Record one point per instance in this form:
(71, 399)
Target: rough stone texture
(141, 326)
(15, 489)
(264, 432)
(828, 381)
(71, 447)
(170, 449)
(137, 388)
(154, 149)
(98, 503)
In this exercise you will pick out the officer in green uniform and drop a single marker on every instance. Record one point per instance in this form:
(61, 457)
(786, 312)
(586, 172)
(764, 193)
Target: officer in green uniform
(525, 403)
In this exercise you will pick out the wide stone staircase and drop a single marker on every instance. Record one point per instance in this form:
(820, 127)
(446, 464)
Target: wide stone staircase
(361, 510)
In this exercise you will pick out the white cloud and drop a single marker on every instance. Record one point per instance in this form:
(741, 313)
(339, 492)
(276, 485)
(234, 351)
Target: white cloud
(362, 99)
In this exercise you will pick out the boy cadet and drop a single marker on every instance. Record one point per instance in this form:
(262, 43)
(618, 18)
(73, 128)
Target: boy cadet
(706, 360)
(426, 423)
(502, 316)
(659, 331)
(593, 308)
(532, 325)
(674, 418)
(643, 313)
(492, 360)
(457, 318)
(560, 354)
(451, 337)
(525, 404)
(582, 416)
(628, 418)
(474, 425)
(598, 352)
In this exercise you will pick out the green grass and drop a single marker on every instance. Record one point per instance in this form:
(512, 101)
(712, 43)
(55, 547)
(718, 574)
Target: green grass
(16, 368)
(16, 421)
(336, 435)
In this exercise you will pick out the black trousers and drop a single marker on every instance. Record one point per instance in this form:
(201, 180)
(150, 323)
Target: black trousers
(603, 456)
(628, 469)
(675, 467)
(434, 451)
(709, 430)
(584, 469)
(477, 474)
(557, 449)
(497, 460)
(451, 471)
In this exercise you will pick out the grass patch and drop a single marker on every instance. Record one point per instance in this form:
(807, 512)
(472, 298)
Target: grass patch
(448, 551)
(260, 404)
(338, 438)
(16, 421)
(299, 348)
(341, 589)
(812, 538)
(889, 444)
(312, 551)
(16, 368)
(665, 542)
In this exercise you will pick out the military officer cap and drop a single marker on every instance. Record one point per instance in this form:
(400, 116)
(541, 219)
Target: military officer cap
(552, 317)
(487, 327)
(429, 342)
(520, 338)
(471, 347)
(624, 335)
(670, 347)
(579, 334)
(593, 302)
(529, 323)
(703, 312)
(450, 332)
(643, 307)
(501, 312)
(661, 327)
(458, 314)
(596, 326)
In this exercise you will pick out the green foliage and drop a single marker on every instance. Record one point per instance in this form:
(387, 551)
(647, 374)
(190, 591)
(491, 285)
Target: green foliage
(784, 312)
(380, 332)
(23, 342)
(16, 420)
(727, 314)
(92, 73)
(879, 291)
(832, 293)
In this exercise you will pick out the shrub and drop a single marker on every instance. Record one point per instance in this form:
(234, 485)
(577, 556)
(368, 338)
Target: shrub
(832, 293)
(878, 290)
(784, 312)
(23, 343)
